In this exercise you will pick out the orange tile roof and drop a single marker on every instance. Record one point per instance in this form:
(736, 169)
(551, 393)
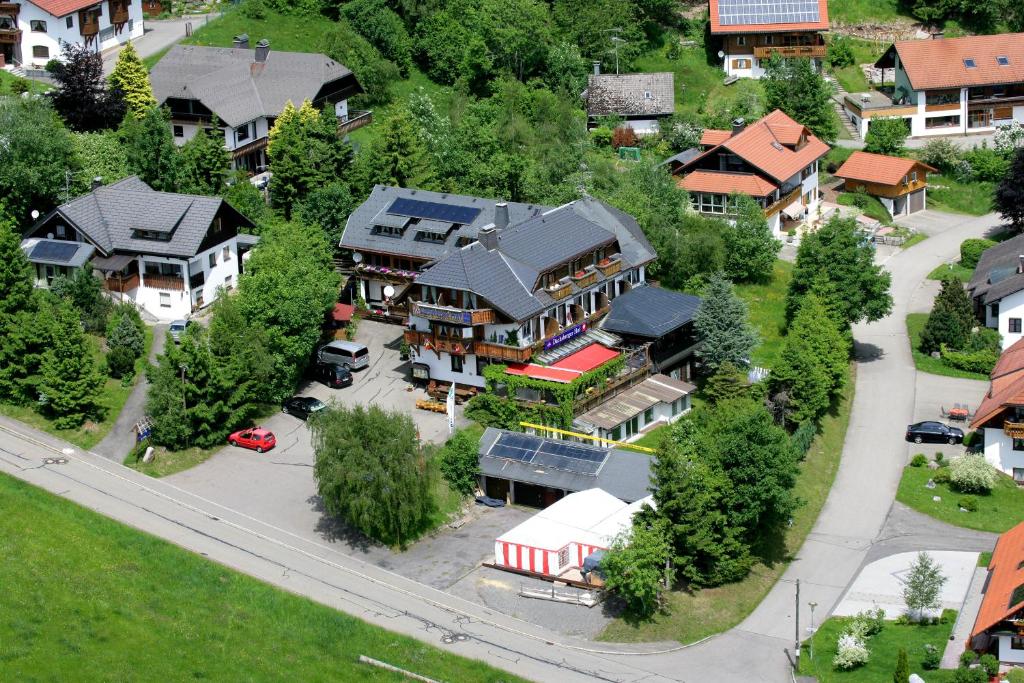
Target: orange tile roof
(1009, 391)
(762, 144)
(713, 138)
(1005, 576)
(939, 63)
(879, 168)
(62, 8)
(723, 182)
(718, 28)
(1011, 361)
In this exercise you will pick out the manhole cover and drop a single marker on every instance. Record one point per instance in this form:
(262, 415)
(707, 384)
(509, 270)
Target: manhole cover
(447, 640)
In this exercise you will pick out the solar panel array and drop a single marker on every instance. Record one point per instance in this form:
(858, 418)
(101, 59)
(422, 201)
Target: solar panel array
(558, 455)
(58, 252)
(743, 12)
(434, 210)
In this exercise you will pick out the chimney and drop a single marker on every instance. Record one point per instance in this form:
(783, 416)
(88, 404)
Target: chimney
(488, 237)
(241, 41)
(97, 183)
(500, 216)
(738, 125)
(597, 68)
(262, 50)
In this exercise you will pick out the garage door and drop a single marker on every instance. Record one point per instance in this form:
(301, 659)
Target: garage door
(916, 201)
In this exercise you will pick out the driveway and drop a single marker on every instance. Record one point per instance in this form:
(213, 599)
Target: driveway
(160, 34)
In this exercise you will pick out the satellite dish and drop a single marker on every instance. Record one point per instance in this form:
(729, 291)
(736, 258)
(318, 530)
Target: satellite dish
(35, 215)
(357, 257)
(721, 53)
(389, 291)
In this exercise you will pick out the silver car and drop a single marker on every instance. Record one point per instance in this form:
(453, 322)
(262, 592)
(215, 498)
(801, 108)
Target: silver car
(177, 329)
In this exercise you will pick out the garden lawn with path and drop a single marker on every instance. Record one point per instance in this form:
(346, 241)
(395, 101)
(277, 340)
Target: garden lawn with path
(767, 304)
(956, 270)
(998, 511)
(924, 362)
(87, 598)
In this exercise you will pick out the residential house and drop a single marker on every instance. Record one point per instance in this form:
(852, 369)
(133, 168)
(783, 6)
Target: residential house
(773, 160)
(246, 90)
(899, 184)
(997, 289)
(999, 627)
(526, 291)
(642, 100)
(947, 86)
(1001, 414)
(752, 31)
(33, 31)
(170, 254)
(399, 232)
(657, 401)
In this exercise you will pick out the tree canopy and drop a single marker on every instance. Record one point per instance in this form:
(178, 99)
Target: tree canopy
(750, 247)
(886, 136)
(794, 86)
(131, 78)
(82, 98)
(721, 324)
(1009, 196)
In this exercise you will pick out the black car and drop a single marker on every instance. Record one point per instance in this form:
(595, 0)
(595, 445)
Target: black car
(332, 374)
(934, 432)
(302, 406)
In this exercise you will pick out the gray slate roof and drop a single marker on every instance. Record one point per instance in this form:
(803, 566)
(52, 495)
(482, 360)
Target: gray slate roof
(359, 235)
(650, 312)
(998, 272)
(630, 403)
(625, 474)
(109, 214)
(645, 94)
(226, 81)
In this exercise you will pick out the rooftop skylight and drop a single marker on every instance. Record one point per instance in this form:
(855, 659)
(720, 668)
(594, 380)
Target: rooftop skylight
(969, 62)
(1003, 60)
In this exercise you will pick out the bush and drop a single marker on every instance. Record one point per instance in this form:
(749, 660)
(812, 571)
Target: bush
(868, 623)
(851, 652)
(253, 9)
(931, 658)
(125, 332)
(942, 154)
(803, 437)
(987, 164)
(624, 136)
(968, 657)
(969, 503)
(969, 676)
(380, 25)
(971, 249)
(980, 362)
(939, 456)
(1015, 675)
(990, 664)
(459, 462)
(120, 362)
(972, 474)
(919, 460)
(941, 475)
(601, 136)
(19, 86)
(839, 52)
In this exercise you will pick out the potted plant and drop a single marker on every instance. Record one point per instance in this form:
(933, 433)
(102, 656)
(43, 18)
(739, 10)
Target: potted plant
(604, 262)
(579, 274)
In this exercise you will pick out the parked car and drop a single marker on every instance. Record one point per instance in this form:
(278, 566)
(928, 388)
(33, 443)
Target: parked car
(302, 406)
(332, 374)
(256, 438)
(177, 328)
(934, 432)
(350, 354)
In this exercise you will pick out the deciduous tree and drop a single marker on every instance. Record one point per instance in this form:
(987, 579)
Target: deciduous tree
(793, 86)
(71, 382)
(750, 247)
(82, 98)
(328, 207)
(636, 567)
(1009, 197)
(84, 291)
(923, 585)
(459, 461)
(131, 78)
(886, 136)
(725, 334)
(101, 155)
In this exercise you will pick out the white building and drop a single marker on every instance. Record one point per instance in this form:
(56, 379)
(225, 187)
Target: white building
(750, 32)
(33, 31)
(997, 628)
(997, 288)
(657, 401)
(170, 254)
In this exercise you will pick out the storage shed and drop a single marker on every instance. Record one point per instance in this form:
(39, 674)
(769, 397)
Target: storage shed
(899, 184)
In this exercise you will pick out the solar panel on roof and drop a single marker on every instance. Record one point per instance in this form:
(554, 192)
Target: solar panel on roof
(514, 447)
(434, 210)
(549, 453)
(742, 12)
(61, 252)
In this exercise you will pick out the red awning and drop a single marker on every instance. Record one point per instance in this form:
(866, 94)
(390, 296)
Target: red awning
(551, 374)
(587, 359)
(342, 313)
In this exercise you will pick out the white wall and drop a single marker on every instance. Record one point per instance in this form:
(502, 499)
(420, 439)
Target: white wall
(441, 368)
(57, 31)
(999, 451)
(662, 415)
(223, 275)
(149, 297)
(1010, 306)
(643, 126)
(1007, 653)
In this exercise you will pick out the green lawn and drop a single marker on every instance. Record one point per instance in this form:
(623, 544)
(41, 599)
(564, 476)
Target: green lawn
(997, 512)
(112, 400)
(869, 12)
(951, 270)
(768, 312)
(864, 52)
(287, 32)
(693, 616)
(884, 648)
(168, 462)
(872, 207)
(948, 194)
(924, 362)
(87, 598)
(7, 81)
(916, 238)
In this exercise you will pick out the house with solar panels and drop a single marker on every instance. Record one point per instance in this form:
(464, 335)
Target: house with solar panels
(774, 161)
(750, 32)
(997, 289)
(168, 253)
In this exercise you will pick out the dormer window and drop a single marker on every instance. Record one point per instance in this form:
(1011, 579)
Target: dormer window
(1003, 60)
(389, 230)
(647, 95)
(154, 235)
(969, 62)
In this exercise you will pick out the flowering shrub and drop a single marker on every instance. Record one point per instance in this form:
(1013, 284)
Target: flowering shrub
(851, 652)
(972, 474)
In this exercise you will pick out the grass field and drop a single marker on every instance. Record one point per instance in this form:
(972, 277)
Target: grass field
(924, 362)
(997, 512)
(884, 648)
(951, 270)
(693, 616)
(168, 462)
(869, 11)
(8, 81)
(86, 598)
(872, 207)
(948, 194)
(767, 305)
(864, 52)
(112, 400)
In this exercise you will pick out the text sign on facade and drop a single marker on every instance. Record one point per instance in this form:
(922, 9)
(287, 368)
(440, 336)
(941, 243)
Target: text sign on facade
(564, 336)
(446, 315)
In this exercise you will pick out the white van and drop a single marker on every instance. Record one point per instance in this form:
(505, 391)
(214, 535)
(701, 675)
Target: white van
(350, 354)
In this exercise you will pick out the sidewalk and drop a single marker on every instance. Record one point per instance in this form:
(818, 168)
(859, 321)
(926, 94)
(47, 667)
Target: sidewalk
(965, 620)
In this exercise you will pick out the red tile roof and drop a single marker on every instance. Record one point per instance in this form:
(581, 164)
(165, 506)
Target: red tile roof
(879, 168)
(1007, 387)
(718, 28)
(713, 138)
(62, 8)
(723, 182)
(934, 64)
(1006, 575)
(342, 313)
(1010, 362)
(762, 144)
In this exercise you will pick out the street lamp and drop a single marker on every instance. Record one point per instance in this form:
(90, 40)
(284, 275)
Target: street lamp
(810, 642)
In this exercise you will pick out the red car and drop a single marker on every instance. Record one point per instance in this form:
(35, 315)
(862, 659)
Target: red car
(256, 438)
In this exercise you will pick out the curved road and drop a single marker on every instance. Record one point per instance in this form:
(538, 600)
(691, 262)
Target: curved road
(851, 521)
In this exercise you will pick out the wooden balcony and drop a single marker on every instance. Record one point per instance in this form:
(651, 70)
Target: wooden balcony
(452, 345)
(118, 11)
(172, 282)
(1014, 430)
(785, 201)
(500, 352)
(356, 119)
(459, 316)
(88, 23)
(585, 278)
(121, 284)
(385, 273)
(560, 290)
(949, 106)
(10, 36)
(788, 51)
(613, 266)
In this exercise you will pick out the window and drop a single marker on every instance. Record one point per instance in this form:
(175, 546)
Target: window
(60, 230)
(213, 259)
(37, 26)
(40, 52)
(741, 40)
(769, 40)
(913, 176)
(226, 254)
(1014, 325)
(1016, 643)
(242, 133)
(1018, 476)
(179, 131)
(942, 122)
(456, 363)
(616, 434)
(1003, 60)
(70, 22)
(994, 310)
(969, 62)
(649, 416)
(165, 300)
(647, 95)
(227, 282)
(1018, 445)
(563, 557)
(741, 63)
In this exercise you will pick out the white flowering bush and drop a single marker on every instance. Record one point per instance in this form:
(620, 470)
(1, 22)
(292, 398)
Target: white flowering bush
(851, 652)
(971, 474)
(1008, 138)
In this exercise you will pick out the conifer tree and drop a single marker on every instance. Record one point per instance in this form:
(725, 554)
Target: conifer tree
(902, 672)
(750, 247)
(729, 381)
(725, 334)
(951, 319)
(1009, 195)
(71, 381)
(802, 376)
(152, 154)
(204, 162)
(400, 156)
(830, 347)
(132, 79)
(15, 272)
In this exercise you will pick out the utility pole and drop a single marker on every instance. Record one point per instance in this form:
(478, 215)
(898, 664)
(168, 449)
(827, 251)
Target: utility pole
(797, 624)
(810, 642)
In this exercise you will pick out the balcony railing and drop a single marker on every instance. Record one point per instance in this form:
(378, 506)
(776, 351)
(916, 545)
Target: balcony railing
(10, 36)
(782, 203)
(789, 51)
(121, 284)
(385, 273)
(438, 344)
(945, 106)
(459, 316)
(585, 278)
(509, 354)
(613, 266)
(356, 119)
(174, 282)
(88, 26)
(1014, 430)
(560, 290)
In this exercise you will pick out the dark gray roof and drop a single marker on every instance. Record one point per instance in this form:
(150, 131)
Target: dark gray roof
(650, 312)
(998, 271)
(110, 214)
(552, 238)
(624, 474)
(230, 84)
(359, 234)
(684, 157)
(650, 94)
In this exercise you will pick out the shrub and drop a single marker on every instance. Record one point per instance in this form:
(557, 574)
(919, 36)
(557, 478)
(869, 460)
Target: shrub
(987, 164)
(120, 362)
(972, 474)
(980, 362)
(601, 136)
(623, 137)
(19, 86)
(459, 462)
(124, 333)
(253, 9)
(939, 456)
(839, 52)
(942, 154)
(919, 460)
(969, 676)
(990, 664)
(1015, 675)
(968, 657)
(971, 250)
(851, 652)
(803, 437)
(941, 475)
(969, 503)
(870, 622)
(931, 657)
